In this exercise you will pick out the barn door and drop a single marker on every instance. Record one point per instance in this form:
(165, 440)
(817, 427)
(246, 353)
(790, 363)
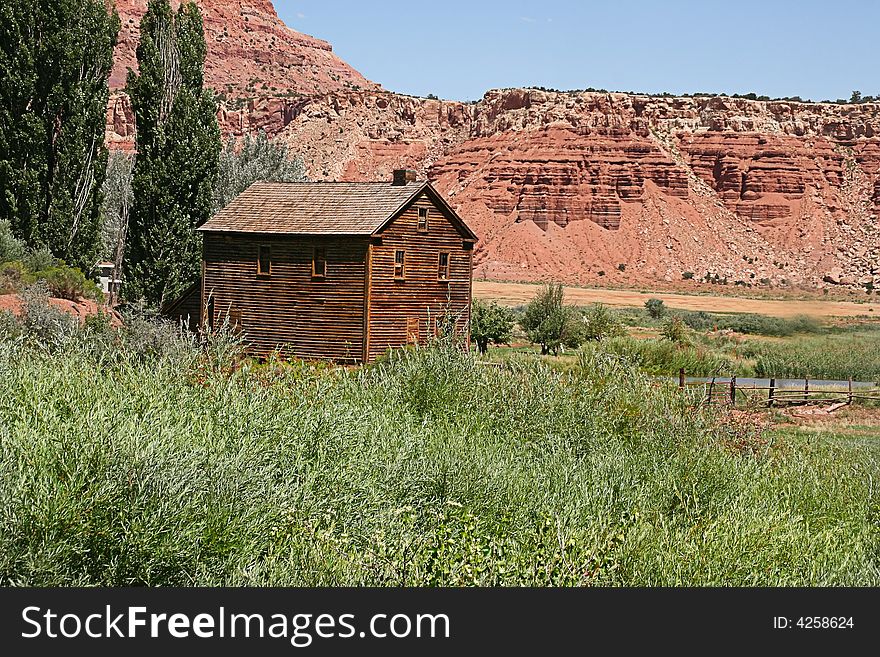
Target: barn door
(412, 330)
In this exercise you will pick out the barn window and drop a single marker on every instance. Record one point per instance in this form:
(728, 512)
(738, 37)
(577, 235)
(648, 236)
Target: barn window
(264, 261)
(423, 220)
(319, 263)
(400, 264)
(443, 267)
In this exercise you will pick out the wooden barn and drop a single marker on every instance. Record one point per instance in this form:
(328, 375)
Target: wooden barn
(336, 271)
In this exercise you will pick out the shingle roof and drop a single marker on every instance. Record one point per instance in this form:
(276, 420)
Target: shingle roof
(313, 208)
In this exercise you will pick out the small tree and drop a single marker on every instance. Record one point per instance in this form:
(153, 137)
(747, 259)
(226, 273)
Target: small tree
(490, 323)
(550, 323)
(254, 159)
(655, 308)
(675, 330)
(600, 323)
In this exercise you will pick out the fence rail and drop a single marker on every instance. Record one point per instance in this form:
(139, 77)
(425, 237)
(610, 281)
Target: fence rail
(728, 391)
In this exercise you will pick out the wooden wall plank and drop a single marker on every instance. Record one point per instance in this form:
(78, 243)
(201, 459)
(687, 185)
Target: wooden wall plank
(421, 295)
(316, 319)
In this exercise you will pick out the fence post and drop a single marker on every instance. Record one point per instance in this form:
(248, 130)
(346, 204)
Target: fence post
(681, 378)
(849, 397)
(807, 389)
(772, 393)
(733, 391)
(711, 389)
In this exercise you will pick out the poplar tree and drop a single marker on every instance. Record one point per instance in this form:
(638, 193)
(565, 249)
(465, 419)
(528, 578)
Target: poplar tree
(55, 59)
(178, 148)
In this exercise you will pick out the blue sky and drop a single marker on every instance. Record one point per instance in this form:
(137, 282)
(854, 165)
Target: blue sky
(458, 49)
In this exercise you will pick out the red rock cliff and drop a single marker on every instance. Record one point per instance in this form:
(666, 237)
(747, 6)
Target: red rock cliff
(581, 187)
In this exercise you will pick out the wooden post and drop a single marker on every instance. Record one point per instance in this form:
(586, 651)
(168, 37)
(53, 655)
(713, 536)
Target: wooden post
(711, 390)
(849, 398)
(772, 393)
(733, 391)
(807, 389)
(681, 378)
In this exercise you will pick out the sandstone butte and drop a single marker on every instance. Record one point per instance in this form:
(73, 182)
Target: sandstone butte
(581, 187)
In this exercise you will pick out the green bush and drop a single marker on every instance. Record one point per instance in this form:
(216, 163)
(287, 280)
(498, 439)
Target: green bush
(600, 323)
(69, 283)
(655, 307)
(13, 277)
(666, 358)
(549, 322)
(675, 331)
(11, 249)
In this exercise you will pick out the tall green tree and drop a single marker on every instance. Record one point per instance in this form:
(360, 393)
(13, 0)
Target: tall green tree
(55, 60)
(178, 147)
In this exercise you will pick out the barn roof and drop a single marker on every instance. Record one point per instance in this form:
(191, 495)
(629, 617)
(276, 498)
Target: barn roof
(320, 208)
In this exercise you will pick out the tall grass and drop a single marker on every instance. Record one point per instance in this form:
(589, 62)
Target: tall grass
(839, 357)
(664, 357)
(167, 467)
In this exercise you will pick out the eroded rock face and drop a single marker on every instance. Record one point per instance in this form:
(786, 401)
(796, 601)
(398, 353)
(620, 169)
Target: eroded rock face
(579, 187)
(561, 176)
(250, 52)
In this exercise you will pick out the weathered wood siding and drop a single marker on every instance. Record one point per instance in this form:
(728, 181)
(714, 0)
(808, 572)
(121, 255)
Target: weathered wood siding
(187, 310)
(289, 309)
(395, 305)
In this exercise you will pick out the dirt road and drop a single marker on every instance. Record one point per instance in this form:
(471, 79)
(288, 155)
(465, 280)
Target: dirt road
(515, 294)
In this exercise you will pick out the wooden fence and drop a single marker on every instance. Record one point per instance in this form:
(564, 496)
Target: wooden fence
(729, 391)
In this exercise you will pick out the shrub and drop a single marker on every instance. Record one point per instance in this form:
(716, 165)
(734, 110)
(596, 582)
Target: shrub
(601, 323)
(10, 247)
(655, 307)
(39, 260)
(699, 321)
(42, 324)
(13, 277)
(674, 330)
(665, 358)
(69, 283)
(688, 275)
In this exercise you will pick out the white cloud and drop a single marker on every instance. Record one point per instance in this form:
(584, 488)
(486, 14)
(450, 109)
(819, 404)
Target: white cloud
(300, 15)
(526, 19)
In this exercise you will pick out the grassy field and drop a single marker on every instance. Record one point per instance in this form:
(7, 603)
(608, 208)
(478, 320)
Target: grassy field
(517, 294)
(138, 458)
(740, 344)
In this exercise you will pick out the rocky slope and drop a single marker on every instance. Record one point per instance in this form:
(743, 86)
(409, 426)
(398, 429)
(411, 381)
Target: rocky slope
(250, 51)
(623, 189)
(586, 187)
